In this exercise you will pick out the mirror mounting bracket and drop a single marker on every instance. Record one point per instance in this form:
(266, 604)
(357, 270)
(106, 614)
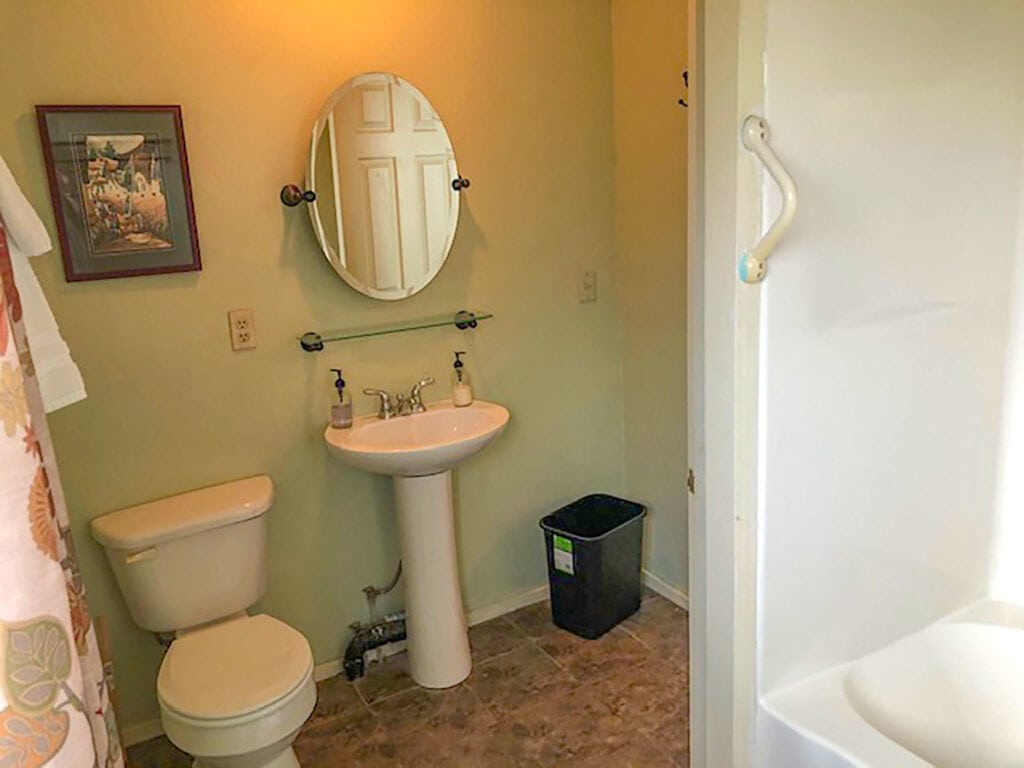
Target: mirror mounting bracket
(292, 195)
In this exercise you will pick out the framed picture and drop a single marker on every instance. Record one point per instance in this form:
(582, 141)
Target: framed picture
(120, 188)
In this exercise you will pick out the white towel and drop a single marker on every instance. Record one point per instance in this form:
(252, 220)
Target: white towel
(60, 381)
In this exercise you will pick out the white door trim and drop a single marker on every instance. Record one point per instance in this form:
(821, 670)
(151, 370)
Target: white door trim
(727, 83)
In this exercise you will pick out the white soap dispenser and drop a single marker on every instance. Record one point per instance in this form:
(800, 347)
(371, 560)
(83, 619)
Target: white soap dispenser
(341, 412)
(462, 390)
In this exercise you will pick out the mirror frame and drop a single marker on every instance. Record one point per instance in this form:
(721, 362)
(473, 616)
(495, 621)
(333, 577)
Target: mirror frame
(330, 253)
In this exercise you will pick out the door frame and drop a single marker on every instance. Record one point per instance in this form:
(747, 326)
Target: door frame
(726, 53)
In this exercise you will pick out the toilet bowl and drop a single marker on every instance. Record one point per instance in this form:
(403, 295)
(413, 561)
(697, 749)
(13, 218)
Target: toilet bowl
(235, 694)
(234, 689)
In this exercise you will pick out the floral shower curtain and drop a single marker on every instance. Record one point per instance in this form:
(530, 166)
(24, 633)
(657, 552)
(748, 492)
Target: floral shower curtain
(54, 700)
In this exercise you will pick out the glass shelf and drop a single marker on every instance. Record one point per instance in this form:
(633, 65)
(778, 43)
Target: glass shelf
(463, 320)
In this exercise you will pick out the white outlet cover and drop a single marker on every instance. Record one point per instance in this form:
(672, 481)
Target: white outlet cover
(242, 327)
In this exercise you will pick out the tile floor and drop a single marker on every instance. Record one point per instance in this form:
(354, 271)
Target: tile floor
(537, 696)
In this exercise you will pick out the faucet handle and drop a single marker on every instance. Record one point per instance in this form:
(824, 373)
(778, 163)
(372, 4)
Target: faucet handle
(386, 411)
(416, 398)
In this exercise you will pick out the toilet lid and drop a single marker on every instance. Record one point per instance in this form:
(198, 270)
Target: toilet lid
(234, 668)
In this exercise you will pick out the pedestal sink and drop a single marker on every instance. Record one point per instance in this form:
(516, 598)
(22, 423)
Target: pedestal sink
(419, 451)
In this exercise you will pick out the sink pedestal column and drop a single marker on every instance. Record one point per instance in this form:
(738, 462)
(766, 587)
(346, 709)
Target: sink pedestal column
(438, 642)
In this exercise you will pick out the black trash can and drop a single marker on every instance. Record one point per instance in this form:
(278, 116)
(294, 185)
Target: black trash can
(594, 549)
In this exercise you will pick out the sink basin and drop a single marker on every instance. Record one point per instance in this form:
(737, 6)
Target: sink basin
(421, 443)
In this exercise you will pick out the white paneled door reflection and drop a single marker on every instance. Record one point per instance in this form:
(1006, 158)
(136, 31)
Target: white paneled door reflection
(395, 168)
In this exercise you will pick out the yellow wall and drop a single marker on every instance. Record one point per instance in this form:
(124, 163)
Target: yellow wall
(524, 88)
(649, 45)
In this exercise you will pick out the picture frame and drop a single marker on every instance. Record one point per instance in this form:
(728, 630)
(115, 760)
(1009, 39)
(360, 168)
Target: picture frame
(121, 191)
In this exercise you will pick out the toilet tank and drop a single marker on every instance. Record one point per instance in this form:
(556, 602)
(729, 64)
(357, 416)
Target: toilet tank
(192, 558)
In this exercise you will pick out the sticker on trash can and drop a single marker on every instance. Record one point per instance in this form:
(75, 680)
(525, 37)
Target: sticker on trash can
(563, 555)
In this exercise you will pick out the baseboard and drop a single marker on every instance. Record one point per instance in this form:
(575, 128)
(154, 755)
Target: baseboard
(140, 732)
(507, 605)
(327, 670)
(668, 591)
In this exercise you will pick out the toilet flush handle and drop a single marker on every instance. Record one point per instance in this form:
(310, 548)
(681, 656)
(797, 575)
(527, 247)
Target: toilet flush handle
(138, 557)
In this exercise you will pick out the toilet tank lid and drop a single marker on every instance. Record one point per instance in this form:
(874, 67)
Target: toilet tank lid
(184, 514)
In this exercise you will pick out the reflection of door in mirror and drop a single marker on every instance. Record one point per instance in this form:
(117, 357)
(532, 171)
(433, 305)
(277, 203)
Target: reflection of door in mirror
(381, 166)
(395, 167)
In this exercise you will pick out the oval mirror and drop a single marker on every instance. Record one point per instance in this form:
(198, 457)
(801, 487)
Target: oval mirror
(382, 168)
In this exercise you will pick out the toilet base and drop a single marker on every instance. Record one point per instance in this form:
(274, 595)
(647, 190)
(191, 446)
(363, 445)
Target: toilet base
(286, 759)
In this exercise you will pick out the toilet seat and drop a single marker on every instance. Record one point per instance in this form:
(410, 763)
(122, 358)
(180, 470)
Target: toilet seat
(237, 691)
(234, 669)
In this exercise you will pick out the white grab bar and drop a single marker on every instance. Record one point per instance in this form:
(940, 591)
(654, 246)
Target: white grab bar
(754, 136)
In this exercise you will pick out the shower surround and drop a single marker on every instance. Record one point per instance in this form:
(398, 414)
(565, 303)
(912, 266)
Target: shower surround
(892, 382)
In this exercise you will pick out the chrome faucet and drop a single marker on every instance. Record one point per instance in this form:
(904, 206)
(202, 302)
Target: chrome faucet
(387, 410)
(415, 400)
(391, 407)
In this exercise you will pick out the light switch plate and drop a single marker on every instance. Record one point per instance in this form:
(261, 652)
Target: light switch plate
(242, 325)
(587, 287)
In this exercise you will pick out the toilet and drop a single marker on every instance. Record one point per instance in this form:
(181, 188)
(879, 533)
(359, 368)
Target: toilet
(234, 688)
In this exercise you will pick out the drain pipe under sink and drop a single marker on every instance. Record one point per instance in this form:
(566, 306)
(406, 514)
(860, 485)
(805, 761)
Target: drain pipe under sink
(390, 629)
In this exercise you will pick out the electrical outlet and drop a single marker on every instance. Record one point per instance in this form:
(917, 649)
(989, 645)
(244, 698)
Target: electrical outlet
(587, 286)
(242, 325)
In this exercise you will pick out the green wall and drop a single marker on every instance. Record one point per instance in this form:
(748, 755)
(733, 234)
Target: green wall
(524, 88)
(649, 54)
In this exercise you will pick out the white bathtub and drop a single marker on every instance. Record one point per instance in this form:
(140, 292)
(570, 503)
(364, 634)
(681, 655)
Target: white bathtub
(951, 695)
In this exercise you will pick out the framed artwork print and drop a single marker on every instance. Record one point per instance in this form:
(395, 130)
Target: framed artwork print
(120, 188)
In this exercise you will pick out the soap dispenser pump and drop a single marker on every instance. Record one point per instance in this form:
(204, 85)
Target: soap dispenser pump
(341, 412)
(462, 390)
